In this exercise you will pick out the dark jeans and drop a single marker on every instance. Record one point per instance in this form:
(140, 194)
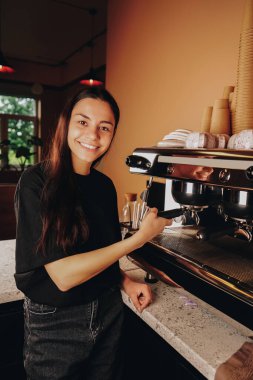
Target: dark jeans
(74, 343)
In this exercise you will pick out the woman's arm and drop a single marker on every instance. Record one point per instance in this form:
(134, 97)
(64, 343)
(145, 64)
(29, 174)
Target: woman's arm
(73, 270)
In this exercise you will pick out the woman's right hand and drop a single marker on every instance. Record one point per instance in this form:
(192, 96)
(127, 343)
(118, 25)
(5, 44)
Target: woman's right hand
(152, 225)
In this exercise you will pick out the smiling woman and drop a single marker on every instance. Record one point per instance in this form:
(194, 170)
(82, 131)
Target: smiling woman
(67, 250)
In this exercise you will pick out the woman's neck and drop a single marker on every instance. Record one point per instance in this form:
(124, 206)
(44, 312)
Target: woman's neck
(82, 168)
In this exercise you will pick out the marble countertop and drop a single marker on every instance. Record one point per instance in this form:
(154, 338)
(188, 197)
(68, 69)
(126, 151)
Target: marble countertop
(8, 290)
(200, 333)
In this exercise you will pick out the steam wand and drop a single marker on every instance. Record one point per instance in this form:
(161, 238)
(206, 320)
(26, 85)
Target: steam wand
(144, 197)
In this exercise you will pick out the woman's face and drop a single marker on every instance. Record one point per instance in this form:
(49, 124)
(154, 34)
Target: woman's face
(90, 132)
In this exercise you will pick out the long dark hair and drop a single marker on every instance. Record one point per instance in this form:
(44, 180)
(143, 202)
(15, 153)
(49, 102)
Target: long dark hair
(63, 219)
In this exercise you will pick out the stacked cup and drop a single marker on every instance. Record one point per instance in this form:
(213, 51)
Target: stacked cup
(242, 109)
(206, 119)
(220, 122)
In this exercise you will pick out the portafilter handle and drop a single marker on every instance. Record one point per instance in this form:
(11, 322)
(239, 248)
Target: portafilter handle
(171, 214)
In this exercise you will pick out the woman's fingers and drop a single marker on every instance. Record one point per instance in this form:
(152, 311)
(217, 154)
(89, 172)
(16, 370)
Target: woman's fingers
(142, 297)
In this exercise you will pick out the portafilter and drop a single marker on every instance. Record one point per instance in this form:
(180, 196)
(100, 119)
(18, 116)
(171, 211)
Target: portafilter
(193, 197)
(237, 205)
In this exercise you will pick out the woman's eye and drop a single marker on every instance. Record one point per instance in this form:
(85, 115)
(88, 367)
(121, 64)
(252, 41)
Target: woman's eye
(103, 128)
(82, 122)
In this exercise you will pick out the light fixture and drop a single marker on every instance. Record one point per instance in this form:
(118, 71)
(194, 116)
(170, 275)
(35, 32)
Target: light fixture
(90, 79)
(4, 66)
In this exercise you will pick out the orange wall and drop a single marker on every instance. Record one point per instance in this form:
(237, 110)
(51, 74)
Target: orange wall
(166, 61)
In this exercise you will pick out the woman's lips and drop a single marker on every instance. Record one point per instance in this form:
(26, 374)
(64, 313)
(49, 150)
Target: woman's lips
(88, 146)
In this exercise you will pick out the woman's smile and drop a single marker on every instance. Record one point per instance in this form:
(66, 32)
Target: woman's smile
(88, 146)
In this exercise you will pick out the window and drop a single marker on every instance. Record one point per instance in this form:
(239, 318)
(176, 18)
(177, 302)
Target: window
(18, 132)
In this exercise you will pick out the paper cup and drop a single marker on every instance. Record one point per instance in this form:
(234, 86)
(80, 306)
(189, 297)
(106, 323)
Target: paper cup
(206, 119)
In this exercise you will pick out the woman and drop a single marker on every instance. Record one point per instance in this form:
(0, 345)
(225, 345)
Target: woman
(68, 244)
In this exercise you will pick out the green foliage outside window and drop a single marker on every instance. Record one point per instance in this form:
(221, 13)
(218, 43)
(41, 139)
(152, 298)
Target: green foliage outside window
(17, 106)
(17, 133)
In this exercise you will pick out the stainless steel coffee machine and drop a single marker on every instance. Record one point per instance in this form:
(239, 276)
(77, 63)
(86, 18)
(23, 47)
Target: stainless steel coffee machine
(209, 248)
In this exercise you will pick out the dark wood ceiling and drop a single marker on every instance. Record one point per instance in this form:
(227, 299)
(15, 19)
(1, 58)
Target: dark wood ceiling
(49, 31)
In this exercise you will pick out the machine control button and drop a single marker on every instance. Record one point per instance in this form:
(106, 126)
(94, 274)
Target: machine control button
(249, 173)
(170, 169)
(224, 175)
(139, 162)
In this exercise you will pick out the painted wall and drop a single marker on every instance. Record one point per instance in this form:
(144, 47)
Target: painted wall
(166, 61)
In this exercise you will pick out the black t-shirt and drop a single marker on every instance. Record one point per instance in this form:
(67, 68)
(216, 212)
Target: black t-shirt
(99, 202)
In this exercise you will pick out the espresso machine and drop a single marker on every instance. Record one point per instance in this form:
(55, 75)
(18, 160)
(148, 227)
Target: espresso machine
(208, 250)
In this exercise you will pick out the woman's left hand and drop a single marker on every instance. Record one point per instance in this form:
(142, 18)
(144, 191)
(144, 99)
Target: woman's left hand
(139, 293)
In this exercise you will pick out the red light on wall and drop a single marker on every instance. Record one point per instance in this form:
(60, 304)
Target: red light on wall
(91, 82)
(4, 66)
(6, 69)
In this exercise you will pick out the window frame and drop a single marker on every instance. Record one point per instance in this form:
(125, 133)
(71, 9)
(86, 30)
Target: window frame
(36, 120)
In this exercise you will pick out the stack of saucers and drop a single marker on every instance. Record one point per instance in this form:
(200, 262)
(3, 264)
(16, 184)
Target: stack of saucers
(175, 139)
(242, 115)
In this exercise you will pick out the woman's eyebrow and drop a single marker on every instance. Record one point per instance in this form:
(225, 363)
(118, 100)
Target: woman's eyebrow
(84, 116)
(107, 122)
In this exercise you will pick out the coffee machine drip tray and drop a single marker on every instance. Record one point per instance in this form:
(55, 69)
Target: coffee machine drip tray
(225, 261)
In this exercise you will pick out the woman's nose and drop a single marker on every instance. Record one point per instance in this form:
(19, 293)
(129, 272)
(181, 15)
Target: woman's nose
(92, 133)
